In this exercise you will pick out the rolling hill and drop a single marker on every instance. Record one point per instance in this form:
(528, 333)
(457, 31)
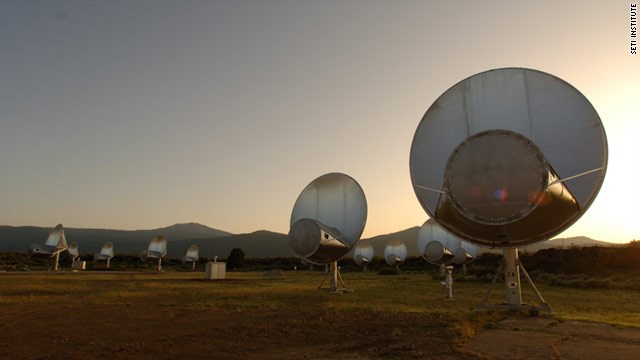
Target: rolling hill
(407, 236)
(91, 240)
(214, 242)
(256, 244)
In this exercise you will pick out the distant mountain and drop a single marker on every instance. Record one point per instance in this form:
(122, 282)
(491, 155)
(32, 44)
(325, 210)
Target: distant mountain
(408, 236)
(256, 244)
(271, 244)
(91, 240)
(213, 242)
(580, 241)
(190, 230)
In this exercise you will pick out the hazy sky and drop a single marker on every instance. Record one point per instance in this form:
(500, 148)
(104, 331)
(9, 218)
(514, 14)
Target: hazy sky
(141, 114)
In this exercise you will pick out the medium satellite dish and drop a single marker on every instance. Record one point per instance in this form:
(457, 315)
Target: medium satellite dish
(327, 220)
(435, 244)
(157, 250)
(106, 253)
(55, 244)
(191, 256)
(507, 158)
(363, 254)
(395, 253)
(73, 251)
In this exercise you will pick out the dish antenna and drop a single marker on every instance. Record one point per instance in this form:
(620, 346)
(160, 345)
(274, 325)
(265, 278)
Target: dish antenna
(507, 158)
(465, 254)
(441, 248)
(395, 253)
(363, 254)
(106, 253)
(55, 244)
(157, 250)
(435, 244)
(191, 256)
(73, 251)
(327, 220)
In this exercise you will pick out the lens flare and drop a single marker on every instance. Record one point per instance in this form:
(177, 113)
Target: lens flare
(501, 194)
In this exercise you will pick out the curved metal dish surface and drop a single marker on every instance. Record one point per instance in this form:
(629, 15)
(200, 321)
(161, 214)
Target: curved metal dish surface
(56, 242)
(191, 255)
(508, 157)
(466, 254)
(395, 253)
(435, 244)
(73, 250)
(363, 253)
(157, 248)
(106, 252)
(328, 218)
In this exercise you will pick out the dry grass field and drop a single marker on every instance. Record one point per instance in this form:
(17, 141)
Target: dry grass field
(247, 315)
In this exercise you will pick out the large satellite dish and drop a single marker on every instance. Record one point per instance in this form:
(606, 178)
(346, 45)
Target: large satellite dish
(507, 158)
(55, 244)
(363, 254)
(327, 220)
(157, 250)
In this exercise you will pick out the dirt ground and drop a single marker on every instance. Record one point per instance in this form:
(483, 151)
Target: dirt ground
(539, 338)
(126, 332)
(134, 332)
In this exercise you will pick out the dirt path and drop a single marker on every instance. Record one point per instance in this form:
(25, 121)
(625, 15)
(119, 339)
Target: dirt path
(538, 338)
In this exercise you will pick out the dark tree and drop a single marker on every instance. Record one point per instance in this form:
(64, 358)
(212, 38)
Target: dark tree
(236, 258)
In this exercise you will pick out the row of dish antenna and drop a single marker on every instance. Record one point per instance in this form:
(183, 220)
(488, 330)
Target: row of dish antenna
(57, 243)
(436, 247)
(504, 158)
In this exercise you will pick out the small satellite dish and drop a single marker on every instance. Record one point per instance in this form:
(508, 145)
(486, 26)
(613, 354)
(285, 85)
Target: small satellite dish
(191, 256)
(73, 251)
(106, 253)
(55, 244)
(507, 158)
(157, 250)
(435, 244)
(363, 254)
(395, 253)
(441, 248)
(327, 220)
(465, 254)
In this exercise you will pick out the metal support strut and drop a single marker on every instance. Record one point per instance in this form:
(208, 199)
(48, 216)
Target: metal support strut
(334, 274)
(511, 265)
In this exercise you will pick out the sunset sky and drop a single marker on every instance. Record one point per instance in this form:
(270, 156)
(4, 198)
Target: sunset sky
(141, 114)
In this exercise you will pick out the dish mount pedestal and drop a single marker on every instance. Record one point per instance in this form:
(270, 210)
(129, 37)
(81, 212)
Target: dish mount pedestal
(512, 265)
(334, 275)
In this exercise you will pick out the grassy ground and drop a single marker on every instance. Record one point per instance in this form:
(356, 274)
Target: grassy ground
(405, 293)
(178, 315)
